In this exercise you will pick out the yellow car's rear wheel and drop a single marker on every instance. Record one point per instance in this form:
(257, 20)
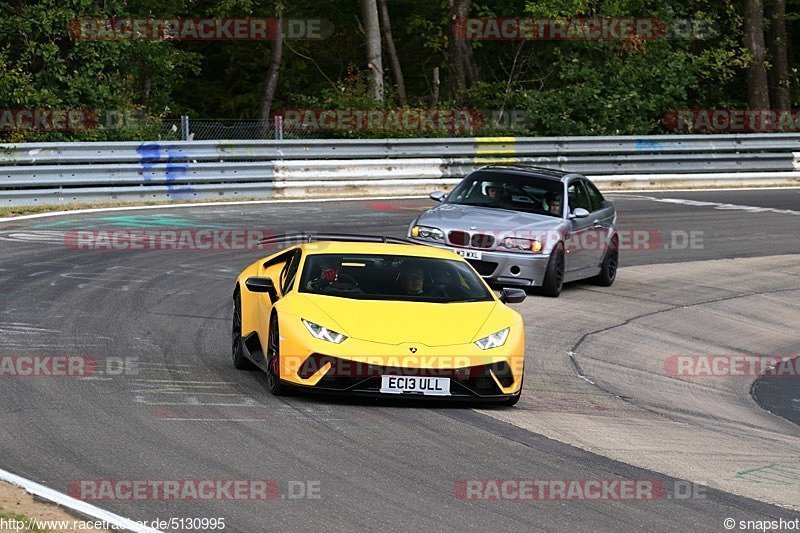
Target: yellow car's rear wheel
(274, 358)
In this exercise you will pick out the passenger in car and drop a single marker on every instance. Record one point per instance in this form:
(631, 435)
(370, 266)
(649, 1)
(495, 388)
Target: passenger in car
(553, 204)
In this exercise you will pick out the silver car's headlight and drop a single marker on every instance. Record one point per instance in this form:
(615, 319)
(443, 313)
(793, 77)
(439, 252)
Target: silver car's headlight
(427, 232)
(528, 245)
(323, 333)
(494, 340)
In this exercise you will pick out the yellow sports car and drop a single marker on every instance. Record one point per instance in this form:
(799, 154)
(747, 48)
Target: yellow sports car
(376, 316)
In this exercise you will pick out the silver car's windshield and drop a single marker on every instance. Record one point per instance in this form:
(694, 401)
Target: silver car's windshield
(516, 192)
(392, 277)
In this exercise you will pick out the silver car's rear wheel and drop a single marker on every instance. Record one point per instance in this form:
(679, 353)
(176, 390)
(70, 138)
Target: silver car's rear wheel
(608, 269)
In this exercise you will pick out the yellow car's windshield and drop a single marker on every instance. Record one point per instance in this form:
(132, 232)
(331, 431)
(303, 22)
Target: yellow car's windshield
(392, 277)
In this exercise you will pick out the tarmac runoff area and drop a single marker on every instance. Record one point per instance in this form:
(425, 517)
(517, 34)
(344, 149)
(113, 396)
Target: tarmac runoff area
(623, 396)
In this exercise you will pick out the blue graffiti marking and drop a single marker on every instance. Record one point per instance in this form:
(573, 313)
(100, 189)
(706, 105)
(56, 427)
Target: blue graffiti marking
(151, 154)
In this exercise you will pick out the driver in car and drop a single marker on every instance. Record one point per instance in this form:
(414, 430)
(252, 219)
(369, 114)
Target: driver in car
(331, 278)
(329, 273)
(493, 191)
(496, 192)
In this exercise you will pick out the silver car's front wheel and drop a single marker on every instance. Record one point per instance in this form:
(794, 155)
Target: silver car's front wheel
(554, 277)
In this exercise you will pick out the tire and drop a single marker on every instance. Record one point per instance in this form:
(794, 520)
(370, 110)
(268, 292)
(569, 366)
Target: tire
(608, 268)
(274, 359)
(554, 276)
(240, 361)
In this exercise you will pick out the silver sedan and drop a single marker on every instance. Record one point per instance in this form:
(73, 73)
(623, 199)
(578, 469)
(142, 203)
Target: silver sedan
(513, 225)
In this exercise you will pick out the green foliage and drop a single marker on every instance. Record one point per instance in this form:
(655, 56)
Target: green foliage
(546, 87)
(29, 523)
(42, 66)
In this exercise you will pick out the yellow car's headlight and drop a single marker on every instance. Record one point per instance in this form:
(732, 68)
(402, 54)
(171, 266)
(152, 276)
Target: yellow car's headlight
(323, 333)
(494, 340)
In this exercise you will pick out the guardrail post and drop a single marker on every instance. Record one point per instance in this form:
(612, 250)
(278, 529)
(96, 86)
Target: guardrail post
(185, 127)
(278, 127)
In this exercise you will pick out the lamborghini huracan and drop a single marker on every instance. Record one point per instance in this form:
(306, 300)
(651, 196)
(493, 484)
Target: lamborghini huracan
(377, 316)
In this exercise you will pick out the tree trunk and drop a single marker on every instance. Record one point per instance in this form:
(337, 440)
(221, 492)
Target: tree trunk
(757, 85)
(473, 72)
(779, 73)
(458, 46)
(436, 84)
(397, 72)
(372, 29)
(273, 72)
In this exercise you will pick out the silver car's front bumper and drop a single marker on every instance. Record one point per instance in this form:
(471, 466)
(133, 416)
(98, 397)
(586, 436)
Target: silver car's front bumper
(504, 268)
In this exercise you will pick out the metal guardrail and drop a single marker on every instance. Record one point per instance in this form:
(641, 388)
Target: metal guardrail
(126, 171)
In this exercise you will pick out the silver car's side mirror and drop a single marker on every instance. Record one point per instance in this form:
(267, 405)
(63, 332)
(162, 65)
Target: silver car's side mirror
(579, 212)
(439, 196)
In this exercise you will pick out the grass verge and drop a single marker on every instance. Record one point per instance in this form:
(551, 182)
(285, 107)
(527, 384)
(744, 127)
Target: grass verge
(17, 517)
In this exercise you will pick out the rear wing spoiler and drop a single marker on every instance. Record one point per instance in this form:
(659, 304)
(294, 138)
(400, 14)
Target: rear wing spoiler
(338, 237)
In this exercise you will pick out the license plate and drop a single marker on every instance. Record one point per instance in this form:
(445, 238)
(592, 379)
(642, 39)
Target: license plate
(425, 385)
(468, 254)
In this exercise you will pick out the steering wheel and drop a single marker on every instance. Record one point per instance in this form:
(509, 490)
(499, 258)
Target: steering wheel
(343, 283)
(437, 291)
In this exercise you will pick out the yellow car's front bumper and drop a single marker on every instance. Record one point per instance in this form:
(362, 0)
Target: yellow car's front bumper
(355, 366)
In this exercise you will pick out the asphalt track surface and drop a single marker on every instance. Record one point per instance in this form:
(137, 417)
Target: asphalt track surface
(185, 413)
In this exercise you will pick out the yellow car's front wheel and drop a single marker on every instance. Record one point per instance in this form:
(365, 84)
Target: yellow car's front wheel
(240, 361)
(274, 359)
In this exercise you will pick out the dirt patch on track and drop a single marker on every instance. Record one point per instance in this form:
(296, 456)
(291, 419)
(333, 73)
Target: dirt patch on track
(17, 505)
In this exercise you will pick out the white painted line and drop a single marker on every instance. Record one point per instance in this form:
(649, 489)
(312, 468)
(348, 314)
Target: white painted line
(702, 176)
(323, 200)
(76, 505)
(572, 355)
(715, 189)
(722, 206)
